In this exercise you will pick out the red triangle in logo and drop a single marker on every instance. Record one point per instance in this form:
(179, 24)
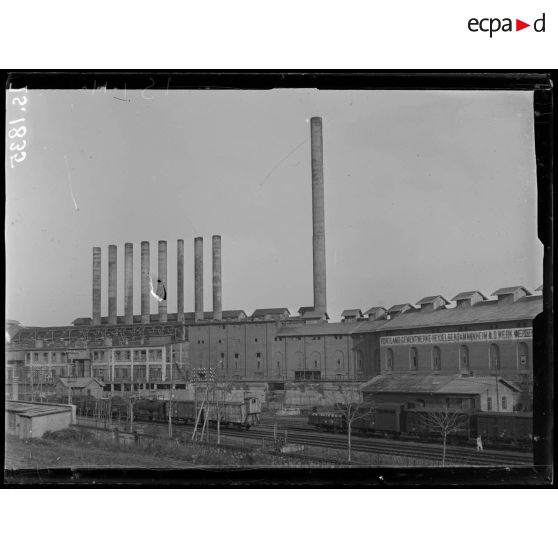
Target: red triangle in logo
(519, 25)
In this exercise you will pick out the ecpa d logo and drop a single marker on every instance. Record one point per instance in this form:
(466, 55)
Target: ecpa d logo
(493, 25)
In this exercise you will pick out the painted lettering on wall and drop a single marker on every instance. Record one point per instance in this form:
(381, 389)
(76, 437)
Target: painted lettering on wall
(459, 336)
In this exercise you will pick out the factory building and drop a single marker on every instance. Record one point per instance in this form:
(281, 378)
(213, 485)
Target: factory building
(279, 351)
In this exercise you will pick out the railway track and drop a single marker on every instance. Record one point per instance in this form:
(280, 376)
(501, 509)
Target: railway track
(409, 449)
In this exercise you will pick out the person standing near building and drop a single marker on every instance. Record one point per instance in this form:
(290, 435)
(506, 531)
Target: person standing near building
(479, 443)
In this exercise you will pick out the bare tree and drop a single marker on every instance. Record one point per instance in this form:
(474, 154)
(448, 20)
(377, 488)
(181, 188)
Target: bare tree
(352, 408)
(444, 422)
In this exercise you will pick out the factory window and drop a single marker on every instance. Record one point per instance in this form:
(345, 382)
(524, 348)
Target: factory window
(359, 360)
(258, 355)
(256, 340)
(489, 403)
(339, 357)
(504, 403)
(389, 359)
(523, 355)
(421, 403)
(436, 358)
(494, 357)
(413, 358)
(219, 340)
(235, 355)
(464, 357)
(259, 364)
(35, 357)
(276, 339)
(377, 359)
(222, 355)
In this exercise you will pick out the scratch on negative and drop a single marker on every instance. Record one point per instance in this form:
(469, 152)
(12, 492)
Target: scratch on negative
(282, 160)
(70, 183)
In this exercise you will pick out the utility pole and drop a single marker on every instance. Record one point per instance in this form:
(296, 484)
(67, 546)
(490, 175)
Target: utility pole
(170, 396)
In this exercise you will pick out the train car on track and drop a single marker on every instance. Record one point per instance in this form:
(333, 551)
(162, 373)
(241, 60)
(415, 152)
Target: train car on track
(328, 421)
(511, 430)
(239, 414)
(506, 429)
(426, 425)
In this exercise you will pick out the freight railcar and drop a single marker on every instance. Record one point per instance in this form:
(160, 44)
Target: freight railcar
(328, 421)
(426, 425)
(506, 429)
(240, 414)
(512, 430)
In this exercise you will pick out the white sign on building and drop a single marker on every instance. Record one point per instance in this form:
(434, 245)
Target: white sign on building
(459, 337)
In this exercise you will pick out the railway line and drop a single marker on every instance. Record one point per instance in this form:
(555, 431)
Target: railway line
(457, 456)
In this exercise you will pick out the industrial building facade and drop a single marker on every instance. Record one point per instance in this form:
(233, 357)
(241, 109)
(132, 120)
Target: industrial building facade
(270, 347)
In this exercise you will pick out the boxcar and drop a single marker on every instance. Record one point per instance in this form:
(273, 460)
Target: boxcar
(505, 429)
(149, 409)
(388, 419)
(419, 423)
(330, 421)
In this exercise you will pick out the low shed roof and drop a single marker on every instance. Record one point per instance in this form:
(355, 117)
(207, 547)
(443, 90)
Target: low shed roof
(31, 409)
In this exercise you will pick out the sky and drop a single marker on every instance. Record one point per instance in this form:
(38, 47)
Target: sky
(426, 193)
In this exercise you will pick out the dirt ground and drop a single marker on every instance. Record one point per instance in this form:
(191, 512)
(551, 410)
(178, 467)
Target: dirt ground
(43, 454)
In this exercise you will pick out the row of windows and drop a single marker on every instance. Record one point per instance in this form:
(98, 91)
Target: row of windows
(44, 357)
(464, 361)
(124, 356)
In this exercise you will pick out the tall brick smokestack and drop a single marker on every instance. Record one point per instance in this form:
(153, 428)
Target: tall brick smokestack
(163, 278)
(180, 279)
(112, 284)
(198, 278)
(318, 215)
(145, 290)
(129, 283)
(96, 315)
(217, 282)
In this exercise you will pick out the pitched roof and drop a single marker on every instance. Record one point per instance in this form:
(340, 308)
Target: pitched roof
(260, 312)
(232, 313)
(304, 309)
(374, 309)
(468, 294)
(34, 409)
(399, 383)
(351, 313)
(489, 311)
(312, 315)
(321, 328)
(399, 307)
(429, 299)
(432, 383)
(510, 290)
(79, 382)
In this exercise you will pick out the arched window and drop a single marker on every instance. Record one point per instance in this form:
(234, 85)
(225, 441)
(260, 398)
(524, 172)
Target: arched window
(522, 355)
(315, 360)
(464, 357)
(278, 358)
(339, 360)
(494, 357)
(389, 359)
(436, 358)
(377, 360)
(413, 358)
